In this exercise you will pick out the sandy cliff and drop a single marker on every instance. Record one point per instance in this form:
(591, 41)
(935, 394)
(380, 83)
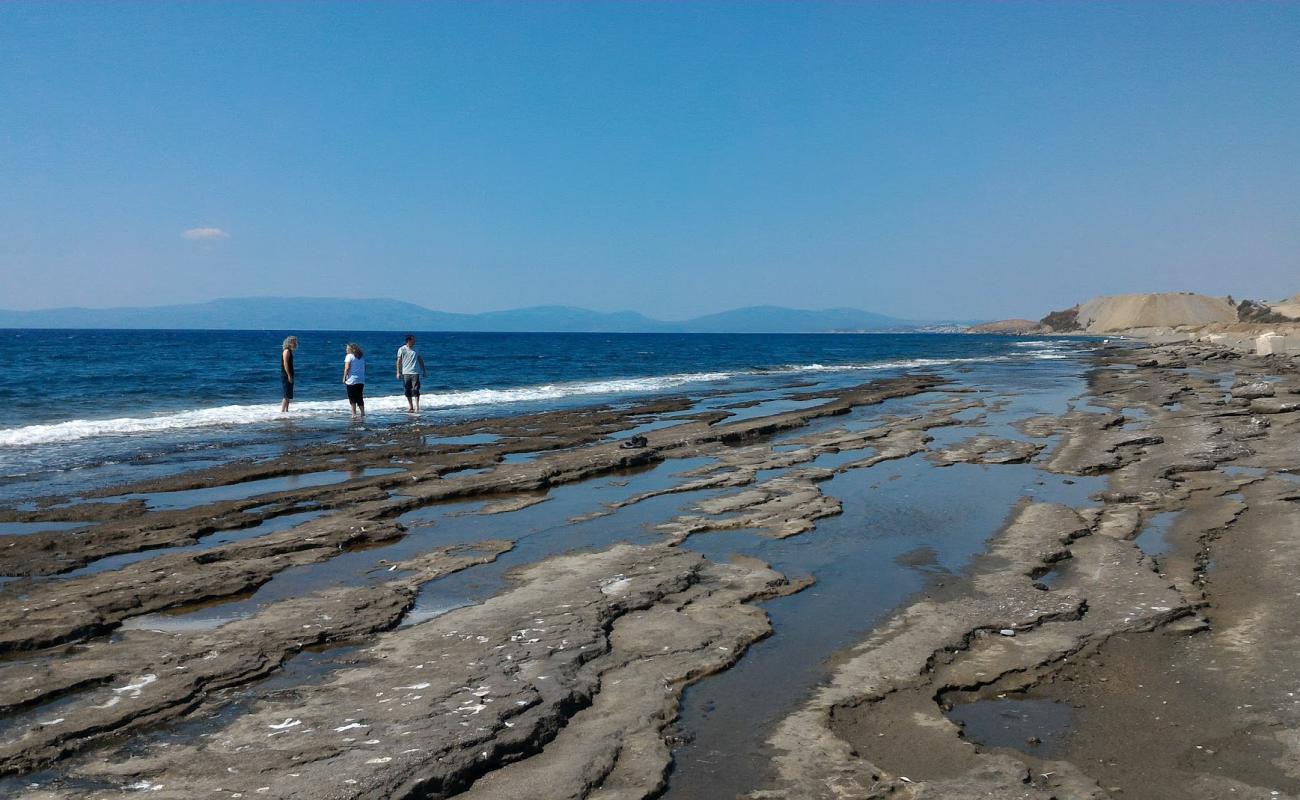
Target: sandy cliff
(1166, 309)
(1260, 328)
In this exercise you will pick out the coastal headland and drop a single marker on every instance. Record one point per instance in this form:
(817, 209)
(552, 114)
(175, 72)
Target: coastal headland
(937, 584)
(1245, 326)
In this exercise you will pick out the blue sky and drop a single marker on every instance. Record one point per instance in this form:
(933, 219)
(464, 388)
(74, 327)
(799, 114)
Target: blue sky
(923, 160)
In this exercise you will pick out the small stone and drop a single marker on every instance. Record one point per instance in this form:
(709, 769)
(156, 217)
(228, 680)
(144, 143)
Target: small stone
(1253, 390)
(1269, 405)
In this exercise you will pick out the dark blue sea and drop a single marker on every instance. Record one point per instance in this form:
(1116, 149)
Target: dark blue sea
(79, 407)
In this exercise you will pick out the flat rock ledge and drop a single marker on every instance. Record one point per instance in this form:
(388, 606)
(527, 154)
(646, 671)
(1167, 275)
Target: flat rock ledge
(562, 683)
(146, 677)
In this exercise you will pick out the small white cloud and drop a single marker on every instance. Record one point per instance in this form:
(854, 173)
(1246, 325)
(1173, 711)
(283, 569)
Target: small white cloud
(204, 234)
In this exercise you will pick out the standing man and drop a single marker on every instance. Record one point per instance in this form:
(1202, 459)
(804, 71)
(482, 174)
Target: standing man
(410, 367)
(286, 371)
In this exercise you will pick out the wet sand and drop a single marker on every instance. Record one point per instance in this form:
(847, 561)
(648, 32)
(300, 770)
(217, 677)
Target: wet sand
(1066, 584)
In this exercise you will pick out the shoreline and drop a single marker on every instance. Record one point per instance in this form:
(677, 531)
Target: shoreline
(1065, 578)
(1105, 631)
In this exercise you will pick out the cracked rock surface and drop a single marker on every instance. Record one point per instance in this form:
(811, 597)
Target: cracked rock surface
(488, 684)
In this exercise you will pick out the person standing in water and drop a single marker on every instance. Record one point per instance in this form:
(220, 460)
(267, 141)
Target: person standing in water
(354, 378)
(286, 371)
(410, 368)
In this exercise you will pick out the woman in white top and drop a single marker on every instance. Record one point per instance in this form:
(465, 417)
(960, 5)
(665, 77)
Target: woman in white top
(354, 378)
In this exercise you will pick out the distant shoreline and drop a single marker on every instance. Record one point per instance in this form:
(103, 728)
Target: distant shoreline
(305, 313)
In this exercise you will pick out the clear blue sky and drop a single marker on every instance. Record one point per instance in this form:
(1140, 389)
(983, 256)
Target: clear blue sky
(923, 160)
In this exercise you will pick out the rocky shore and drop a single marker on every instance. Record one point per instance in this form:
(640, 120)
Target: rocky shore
(1171, 664)
(1134, 640)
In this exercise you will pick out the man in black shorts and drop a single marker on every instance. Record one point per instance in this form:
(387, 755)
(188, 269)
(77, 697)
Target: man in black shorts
(410, 367)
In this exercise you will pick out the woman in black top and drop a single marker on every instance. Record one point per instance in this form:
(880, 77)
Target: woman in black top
(286, 371)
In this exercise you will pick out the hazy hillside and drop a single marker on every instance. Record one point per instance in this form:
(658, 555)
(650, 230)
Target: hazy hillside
(307, 313)
(563, 318)
(774, 319)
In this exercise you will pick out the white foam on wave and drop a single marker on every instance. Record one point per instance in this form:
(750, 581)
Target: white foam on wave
(911, 363)
(266, 413)
(1046, 349)
(234, 415)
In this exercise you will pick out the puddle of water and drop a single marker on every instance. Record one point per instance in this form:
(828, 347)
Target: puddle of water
(188, 498)
(1093, 408)
(1223, 380)
(70, 502)
(521, 458)
(770, 407)
(473, 438)
(271, 525)
(646, 427)
(863, 570)
(465, 473)
(1015, 722)
(1153, 540)
(1053, 576)
(1249, 472)
(77, 481)
(27, 528)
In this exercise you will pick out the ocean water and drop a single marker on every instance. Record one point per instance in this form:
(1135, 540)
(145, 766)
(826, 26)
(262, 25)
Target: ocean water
(154, 401)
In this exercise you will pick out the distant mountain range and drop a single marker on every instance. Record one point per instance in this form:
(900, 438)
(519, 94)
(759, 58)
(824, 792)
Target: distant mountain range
(311, 313)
